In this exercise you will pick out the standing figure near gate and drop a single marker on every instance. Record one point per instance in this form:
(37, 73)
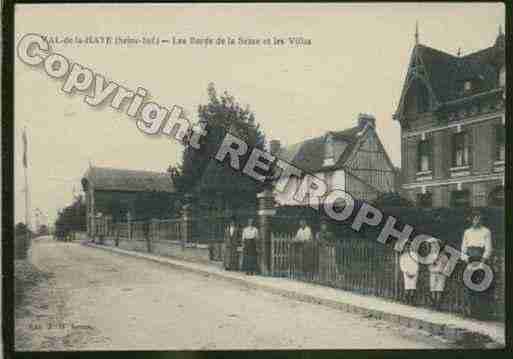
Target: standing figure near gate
(231, 243)
(249, 252)
(325, 241)
(476, 248)
(324, 235)
(304, 234)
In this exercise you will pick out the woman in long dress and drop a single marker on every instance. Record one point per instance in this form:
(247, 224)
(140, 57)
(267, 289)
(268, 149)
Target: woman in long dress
(249, 242)
(304, 235)
(231, 260)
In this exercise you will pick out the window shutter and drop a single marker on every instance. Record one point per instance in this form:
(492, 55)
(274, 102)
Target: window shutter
(430, 153)
(453, 140)
(499, 141)
(496, 146)
(470, 143)
(419, 156)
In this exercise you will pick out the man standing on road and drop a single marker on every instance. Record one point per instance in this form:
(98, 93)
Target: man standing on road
(476, 248)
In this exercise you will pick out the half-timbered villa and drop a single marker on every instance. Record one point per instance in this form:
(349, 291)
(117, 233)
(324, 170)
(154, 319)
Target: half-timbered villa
(353, 160)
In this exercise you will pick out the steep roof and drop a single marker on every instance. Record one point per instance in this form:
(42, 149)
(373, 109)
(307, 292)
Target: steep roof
(441, 68)
(446, 73)
(115, 179)
(308, 155)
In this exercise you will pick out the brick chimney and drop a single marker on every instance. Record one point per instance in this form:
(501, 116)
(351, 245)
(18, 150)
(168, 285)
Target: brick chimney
(364, 119)
(275, 146)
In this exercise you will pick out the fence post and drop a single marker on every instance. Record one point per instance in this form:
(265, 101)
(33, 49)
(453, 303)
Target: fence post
(129, 225)
(116, 234)
(108, 225)
(265, 212)
(151, 233)
(186, 221)
(99, 227)
(396, 275)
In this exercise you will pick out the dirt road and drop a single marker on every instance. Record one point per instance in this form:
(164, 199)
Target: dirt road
(95, 300)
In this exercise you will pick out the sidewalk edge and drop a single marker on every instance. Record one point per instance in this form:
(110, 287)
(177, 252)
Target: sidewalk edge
(450, 332)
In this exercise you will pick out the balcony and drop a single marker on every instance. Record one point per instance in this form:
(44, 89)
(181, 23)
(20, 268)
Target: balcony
(460, 171)
(498, 166)
(424, 175)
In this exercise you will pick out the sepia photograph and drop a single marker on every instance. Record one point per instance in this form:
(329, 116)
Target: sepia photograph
(259, 176)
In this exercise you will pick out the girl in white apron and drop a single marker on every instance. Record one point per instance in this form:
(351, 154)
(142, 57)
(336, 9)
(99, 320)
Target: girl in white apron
(410, 268)
(436, 277)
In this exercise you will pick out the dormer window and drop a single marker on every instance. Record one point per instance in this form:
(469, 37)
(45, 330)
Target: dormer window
(329, 153)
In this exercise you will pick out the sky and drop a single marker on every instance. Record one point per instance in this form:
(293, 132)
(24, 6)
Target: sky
(356, 63)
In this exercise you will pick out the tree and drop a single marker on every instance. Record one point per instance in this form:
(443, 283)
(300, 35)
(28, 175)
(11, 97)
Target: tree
(72, 217)
(21, 229)
(222, 114)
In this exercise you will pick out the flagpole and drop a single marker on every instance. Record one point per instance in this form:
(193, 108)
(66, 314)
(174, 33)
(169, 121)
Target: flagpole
(27, 208)
(27, 190)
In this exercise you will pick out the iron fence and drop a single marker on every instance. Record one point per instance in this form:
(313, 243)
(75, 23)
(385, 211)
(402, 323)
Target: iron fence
(369, 268)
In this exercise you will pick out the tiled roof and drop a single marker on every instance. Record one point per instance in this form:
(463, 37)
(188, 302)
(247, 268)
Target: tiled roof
(114, 179)
(309, 154)
(447, 72)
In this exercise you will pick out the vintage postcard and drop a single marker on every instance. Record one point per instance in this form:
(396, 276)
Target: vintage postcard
(259, 176)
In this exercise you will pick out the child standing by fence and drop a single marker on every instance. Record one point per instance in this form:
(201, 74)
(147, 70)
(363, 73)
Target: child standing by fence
(436, 277)
(410, 268)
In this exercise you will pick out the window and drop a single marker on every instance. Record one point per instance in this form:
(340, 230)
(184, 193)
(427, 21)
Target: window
(424, 156)
(425, 199)
(461, 149)
(460, 198)
(500, 143)
(329, 156)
